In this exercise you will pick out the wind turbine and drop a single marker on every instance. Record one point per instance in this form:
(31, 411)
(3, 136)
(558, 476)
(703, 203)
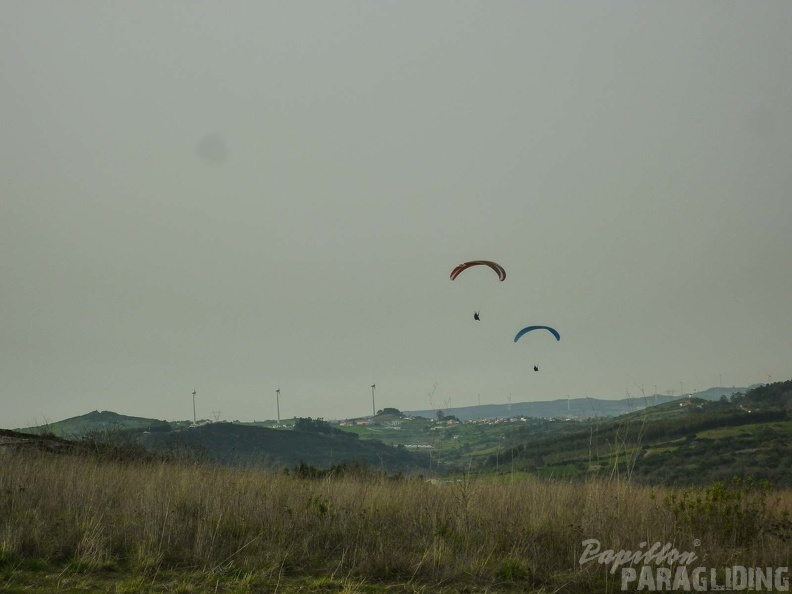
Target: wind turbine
(373, 408)
(194, 418)
(277, 402)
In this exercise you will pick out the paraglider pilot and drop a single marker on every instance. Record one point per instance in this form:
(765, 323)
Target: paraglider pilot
(476, 316)
(536, 368)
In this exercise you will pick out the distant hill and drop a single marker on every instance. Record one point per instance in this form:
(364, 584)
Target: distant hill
(75, 427)
(237, 444)
(574, 407)
(314, 443)
(685, 442)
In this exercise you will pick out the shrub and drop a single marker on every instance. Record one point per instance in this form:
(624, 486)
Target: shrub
(732, 514)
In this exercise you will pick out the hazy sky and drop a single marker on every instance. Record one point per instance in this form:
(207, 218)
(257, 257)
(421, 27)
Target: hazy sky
(233, 197)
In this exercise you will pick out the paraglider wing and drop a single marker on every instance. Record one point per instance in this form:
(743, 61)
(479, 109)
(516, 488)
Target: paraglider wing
(527, 329)
(494, 265)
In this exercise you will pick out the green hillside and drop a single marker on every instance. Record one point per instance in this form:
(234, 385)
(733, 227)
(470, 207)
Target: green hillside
(76, 427)
(681, 443)
(314, 443)
(299, 441)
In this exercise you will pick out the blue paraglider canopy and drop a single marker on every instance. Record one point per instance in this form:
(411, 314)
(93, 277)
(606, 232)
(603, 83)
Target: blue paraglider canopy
(527, 329)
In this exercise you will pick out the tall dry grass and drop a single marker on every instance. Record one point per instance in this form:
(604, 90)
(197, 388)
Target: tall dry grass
(147, 516)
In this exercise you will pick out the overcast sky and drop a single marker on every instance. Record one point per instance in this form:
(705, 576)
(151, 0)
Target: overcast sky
(235, 197)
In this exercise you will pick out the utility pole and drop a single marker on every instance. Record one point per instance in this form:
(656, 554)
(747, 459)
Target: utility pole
(277, 402)
(195, 420)
(373, 408)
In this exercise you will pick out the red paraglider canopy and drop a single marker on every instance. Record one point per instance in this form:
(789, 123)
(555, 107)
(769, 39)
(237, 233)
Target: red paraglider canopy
(494, 265)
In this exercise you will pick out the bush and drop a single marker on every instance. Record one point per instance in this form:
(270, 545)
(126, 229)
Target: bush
(732, 514)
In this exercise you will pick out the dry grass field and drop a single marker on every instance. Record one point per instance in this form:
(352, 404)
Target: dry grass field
(78, 523)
